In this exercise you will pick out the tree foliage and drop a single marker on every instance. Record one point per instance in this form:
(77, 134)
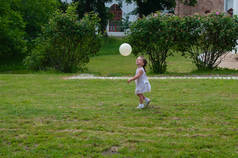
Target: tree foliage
(146, 7)
(66, 43)
(21, 22)
(208, 38)
(12, 33)
(97, 6)
(35, 14)
(154, 37)
(205, 39)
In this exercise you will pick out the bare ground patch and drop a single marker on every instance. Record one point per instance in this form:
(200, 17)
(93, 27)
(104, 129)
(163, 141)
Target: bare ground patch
(112, 150)
(229, 61)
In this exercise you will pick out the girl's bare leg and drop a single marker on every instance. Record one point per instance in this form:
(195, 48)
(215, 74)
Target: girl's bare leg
(141, 98)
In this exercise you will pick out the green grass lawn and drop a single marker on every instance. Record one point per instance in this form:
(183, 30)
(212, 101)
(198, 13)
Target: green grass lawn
(108, 62)
(12, 65)
(42, 115)
(110, 46)
(117, 65)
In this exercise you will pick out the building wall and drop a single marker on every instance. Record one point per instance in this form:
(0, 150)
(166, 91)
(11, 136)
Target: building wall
(235, 7)
(126, 10)
(201, 7)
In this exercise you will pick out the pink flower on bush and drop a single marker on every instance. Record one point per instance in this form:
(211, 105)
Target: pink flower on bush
(155, 15)
(217, 13)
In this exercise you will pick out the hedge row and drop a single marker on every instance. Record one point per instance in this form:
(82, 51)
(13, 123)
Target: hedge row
(202, 38)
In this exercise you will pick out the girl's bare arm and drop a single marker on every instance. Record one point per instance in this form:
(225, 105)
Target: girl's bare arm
(136, 76)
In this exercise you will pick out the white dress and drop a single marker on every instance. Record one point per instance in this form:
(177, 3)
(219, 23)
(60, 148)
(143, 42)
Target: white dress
(142, 83)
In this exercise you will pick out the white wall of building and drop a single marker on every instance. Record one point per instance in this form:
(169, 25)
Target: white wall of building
(235, 7)
(68, 1)
(235, 12)
(231, 4)
(116, 34)
(228, 4)
(126, 10)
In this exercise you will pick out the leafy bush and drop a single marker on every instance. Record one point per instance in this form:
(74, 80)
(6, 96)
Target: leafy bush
(20, 24)
(205, 39)
(12, 41)
(66, 43)
(35, 13)
(208, 38)
(153, 37)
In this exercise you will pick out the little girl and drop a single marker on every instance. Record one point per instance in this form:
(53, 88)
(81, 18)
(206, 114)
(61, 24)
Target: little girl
(142, 83)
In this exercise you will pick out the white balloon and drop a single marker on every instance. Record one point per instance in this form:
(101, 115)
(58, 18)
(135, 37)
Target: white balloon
(125, 49)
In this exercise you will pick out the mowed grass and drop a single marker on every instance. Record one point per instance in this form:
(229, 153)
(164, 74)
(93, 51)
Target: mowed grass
(47, 116)
(110, 45)
(118, 65)
(109, 62)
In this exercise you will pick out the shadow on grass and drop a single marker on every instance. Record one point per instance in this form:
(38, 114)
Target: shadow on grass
(110, 46)
(12, 65)
(19, 68)
(215, 72)
(218, 71)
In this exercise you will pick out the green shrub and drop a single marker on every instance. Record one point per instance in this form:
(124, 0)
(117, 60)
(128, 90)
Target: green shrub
(205, 39)
(38, 60)
(153, 37)
(35, 14)
(208, 38)
(66, 43)
(12, 41)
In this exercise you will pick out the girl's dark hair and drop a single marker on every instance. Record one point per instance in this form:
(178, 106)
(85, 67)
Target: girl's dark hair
(144, 61)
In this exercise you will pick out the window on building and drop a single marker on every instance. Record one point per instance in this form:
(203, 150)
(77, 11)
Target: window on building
(228, 4)
(115, 25)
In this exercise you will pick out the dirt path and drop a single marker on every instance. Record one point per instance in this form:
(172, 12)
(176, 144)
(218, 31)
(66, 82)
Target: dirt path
(229, 61)
(90, 77)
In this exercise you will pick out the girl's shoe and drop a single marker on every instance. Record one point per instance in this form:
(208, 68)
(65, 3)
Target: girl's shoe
(140, 106)
(147, 102)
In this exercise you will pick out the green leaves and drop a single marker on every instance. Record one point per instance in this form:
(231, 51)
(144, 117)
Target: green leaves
(35, 13)
(212, 35)
(146, 7)
(11, 31)
(21, 22)
(66, 42)
(154, 36)
(96, 6)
